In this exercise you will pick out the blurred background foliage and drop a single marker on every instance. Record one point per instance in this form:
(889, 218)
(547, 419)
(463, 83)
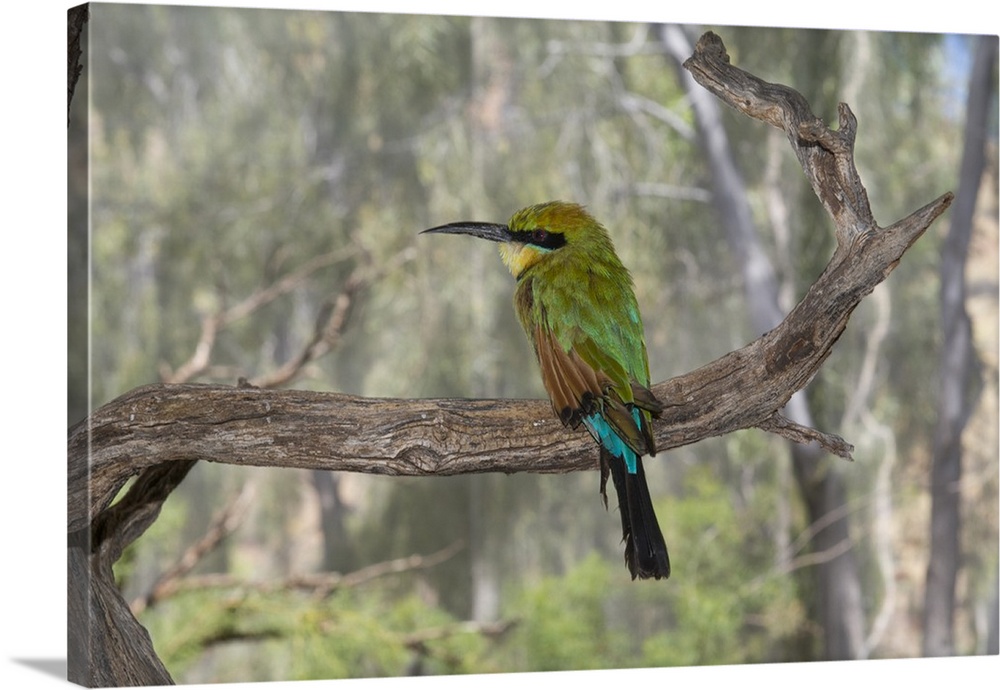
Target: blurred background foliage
(231, 149)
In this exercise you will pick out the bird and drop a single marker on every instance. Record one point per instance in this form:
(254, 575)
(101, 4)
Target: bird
(576, 303)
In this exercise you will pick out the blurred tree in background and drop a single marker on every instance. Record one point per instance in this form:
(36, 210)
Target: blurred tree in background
(258, 179)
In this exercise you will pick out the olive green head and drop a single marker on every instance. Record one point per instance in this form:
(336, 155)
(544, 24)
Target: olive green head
(538, 232)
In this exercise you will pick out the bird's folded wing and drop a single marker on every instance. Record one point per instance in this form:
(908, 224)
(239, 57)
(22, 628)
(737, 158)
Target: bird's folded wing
(578, 389)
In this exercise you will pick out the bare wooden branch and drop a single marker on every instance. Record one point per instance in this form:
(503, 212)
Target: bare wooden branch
(164, 424)
(77, 16)
(212, 324)
(782, 426)
(330, 324)
(320, 584)
(826, 156)
(221, 526)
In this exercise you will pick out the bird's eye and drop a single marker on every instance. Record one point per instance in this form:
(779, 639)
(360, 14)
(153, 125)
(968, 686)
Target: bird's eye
(544, 239)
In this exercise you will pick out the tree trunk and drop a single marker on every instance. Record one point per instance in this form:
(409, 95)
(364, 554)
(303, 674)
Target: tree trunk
(107, 645)
(839, 602)
(338, 551)
(958, 377)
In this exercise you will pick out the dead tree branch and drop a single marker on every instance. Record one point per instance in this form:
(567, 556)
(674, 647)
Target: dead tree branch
(320, 585)
(331, 322)
(158, 431)
(77, 16)
(222, 525)
(212, 324)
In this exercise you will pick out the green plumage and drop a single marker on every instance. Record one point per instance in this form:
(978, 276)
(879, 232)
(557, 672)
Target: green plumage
(582, 295)
(575, 301)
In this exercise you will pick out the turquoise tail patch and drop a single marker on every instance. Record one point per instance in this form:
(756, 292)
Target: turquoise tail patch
(606, 436)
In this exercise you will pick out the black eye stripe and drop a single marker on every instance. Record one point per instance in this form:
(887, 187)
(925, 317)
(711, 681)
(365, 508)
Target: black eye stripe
(540, 237)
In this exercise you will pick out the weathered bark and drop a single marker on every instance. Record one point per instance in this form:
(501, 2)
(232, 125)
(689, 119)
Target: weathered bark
(156, 432)
(78, 17)
(838, 607)
(959, 382)
(107, 645)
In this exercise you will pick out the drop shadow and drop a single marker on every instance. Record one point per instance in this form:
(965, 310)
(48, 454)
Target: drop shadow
(50, 667)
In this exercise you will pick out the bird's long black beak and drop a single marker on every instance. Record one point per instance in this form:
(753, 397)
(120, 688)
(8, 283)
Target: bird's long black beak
(494, 232)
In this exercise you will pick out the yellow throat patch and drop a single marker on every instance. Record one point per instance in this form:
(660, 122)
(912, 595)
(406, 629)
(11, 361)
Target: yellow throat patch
(519, 257)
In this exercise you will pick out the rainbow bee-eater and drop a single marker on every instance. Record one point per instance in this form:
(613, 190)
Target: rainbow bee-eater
(575, 300)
